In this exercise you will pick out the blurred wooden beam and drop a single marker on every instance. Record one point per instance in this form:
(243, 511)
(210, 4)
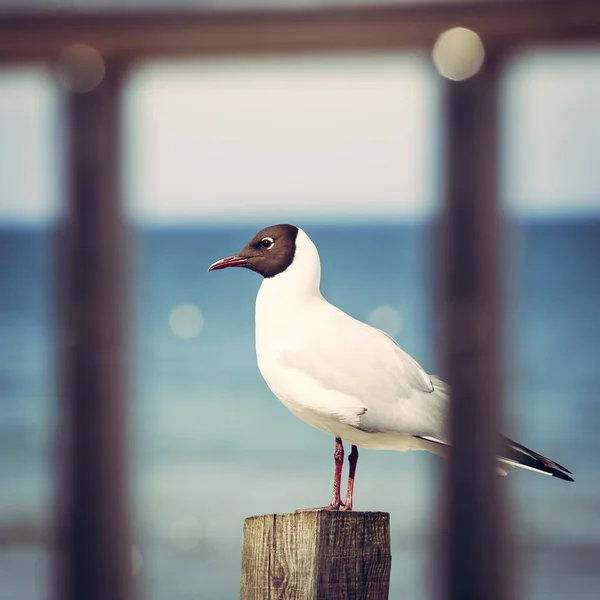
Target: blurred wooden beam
(124, 34)
(471, 303)
(93, 548)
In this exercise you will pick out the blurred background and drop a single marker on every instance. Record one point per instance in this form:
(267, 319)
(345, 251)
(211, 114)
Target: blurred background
(348, 147)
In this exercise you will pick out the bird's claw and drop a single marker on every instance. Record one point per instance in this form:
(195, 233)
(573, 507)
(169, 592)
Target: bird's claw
(330, 507)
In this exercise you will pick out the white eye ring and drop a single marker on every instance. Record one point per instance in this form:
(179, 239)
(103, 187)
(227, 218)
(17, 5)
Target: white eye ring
(267, 243)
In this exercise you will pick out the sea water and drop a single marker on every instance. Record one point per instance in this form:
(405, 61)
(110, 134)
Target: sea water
(211, 445)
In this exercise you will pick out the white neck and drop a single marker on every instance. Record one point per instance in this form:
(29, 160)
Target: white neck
(294, 286)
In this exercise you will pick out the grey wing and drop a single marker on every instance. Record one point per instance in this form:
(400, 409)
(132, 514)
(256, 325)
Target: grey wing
(366, 365)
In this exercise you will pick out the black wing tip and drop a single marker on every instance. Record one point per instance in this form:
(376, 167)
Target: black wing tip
(563, 476)
(564, 469)
(551, 467)
(560, 472)
(534, 460)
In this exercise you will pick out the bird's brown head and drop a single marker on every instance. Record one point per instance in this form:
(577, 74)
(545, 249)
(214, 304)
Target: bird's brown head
(270, 252)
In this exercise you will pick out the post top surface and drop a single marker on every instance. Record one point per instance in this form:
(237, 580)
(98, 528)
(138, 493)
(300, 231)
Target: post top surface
(355, 514)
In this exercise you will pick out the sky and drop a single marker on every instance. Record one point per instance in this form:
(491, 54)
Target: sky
(319, 138)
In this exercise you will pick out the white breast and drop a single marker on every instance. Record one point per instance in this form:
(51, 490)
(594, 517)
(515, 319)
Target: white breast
(284, 305)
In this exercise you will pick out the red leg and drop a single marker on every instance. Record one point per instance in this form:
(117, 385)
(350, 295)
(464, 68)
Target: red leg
(352, 459)
(336, 501)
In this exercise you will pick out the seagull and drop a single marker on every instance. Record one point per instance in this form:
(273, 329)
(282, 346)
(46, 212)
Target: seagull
(343, 376)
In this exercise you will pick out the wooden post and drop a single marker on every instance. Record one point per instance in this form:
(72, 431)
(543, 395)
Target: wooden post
(325, 555)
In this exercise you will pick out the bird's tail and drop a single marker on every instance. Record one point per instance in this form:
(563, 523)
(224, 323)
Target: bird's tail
(516, 455)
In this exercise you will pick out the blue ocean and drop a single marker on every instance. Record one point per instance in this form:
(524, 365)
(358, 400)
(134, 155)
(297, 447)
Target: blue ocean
(211, 445)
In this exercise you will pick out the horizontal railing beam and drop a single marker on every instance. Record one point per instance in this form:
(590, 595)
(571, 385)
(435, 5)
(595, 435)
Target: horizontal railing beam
(127, 35)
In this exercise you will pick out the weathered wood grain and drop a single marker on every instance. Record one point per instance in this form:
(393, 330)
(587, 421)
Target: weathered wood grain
(325, 555)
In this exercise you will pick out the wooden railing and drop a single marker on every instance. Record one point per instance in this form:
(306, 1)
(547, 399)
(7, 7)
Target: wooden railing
(127, 35)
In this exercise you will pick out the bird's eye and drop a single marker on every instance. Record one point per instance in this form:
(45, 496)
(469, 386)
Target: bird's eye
(267, 243)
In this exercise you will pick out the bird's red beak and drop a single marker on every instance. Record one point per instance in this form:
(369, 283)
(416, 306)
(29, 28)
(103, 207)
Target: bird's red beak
(229, 261)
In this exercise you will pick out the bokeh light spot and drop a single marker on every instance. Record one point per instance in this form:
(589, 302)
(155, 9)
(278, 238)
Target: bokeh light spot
(81, 68)
(458, 53)
(386, 318)
(186, 321)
